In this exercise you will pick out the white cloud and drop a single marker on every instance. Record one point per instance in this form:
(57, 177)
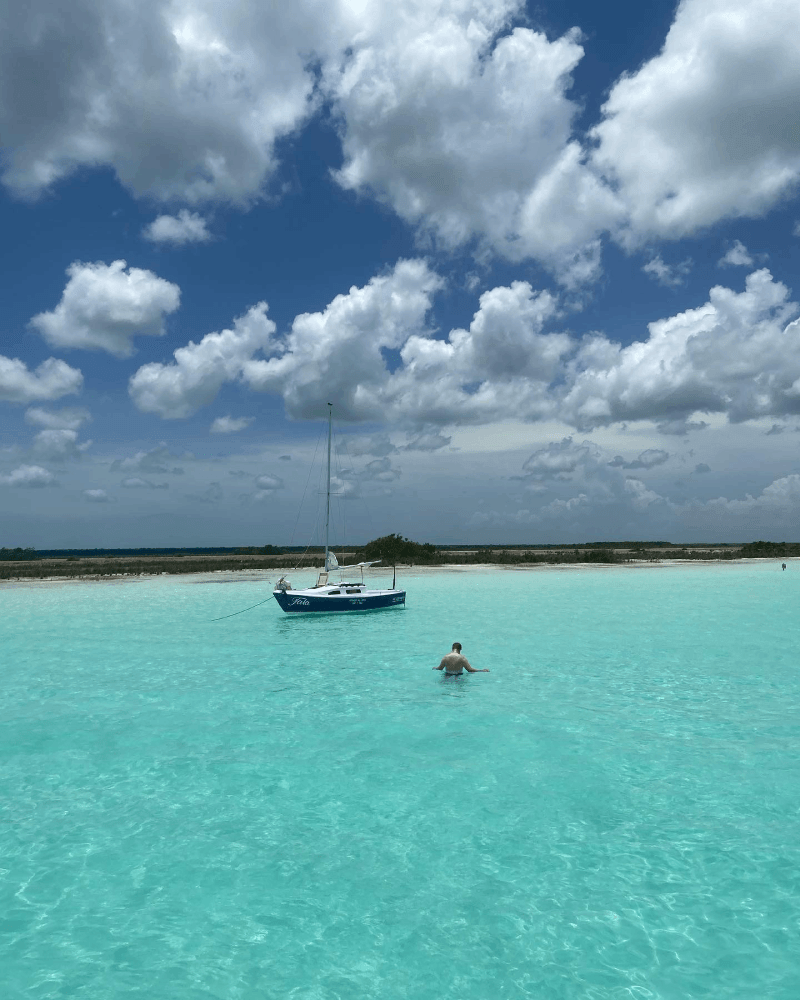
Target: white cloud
(737, 256)
(738, 354)
(501, 366)
(98, 496)
(447, 112)
(180, 389)
(369, 444)
(337, 354)
(266, 486)
(69, 418)
(103, 307)
(559, 460)
(269, 482)
(230, 425)
(706, 130)
(668, 275)
(51, 380)
(774, 512)
(735, 355)
(58, 444)
(158, 460)
(178, 230)
(465, 133)
(33, 476)
(380, 470)
(182, 100)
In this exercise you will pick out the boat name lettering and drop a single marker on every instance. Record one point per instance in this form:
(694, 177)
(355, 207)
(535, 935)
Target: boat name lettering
(298, 600)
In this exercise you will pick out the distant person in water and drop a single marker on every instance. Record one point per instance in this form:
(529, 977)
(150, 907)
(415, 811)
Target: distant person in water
(454, 663)
(783, 565)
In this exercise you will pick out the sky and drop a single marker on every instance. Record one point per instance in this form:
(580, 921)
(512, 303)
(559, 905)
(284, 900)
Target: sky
(543, 260)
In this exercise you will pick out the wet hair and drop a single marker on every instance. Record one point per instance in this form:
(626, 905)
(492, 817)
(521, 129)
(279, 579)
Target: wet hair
(457, 645)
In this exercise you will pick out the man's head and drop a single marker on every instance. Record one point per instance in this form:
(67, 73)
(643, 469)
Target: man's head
(457, 647)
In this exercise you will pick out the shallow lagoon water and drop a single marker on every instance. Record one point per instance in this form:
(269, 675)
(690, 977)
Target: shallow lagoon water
(271, 806)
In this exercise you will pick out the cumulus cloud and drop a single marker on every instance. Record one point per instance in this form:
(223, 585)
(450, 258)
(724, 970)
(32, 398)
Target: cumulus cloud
(182, 101)
(737, 256)
(337, 353)
(179, 389)
(668, 275)
(58, 444)
(369, 444)
(136, 483)
(647, 460)
(158, 460)
(775, 510)
(466, 133)
(429, 439)
(380, 470)
(51, 380)
(701, 467)
(28, 476)
(504, 363)
(735, 355)
(587, 486)
(266, 486)
(559, 460)
(98, 496)
(178, 230)
(702, 131)
(448, 111)
(104, 306)
(69, 418)
(270, 483)
(230, 425)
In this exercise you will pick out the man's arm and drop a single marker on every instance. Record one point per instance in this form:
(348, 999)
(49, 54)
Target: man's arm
(470, 669)
(440, 667)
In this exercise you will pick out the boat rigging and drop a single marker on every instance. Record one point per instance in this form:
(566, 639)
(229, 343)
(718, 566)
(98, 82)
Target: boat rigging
(345, 596)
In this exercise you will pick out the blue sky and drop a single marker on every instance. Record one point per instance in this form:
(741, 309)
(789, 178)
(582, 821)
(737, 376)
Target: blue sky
(542, 259)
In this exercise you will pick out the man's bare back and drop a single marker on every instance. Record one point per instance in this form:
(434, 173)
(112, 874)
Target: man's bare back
(454, 663)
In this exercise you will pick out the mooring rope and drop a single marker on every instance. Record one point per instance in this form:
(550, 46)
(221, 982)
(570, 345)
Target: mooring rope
(242, 611)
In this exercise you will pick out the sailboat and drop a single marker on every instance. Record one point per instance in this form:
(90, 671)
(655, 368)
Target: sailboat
(343, 596)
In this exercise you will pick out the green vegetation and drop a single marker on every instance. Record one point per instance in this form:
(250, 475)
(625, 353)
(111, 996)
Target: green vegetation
(769, 550)
(27, 563)
(392, 549)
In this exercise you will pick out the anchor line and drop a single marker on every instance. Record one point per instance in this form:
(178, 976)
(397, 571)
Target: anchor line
(242, 611)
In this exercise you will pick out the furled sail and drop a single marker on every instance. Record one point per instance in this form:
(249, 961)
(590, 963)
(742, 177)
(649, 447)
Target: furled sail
(332, 563)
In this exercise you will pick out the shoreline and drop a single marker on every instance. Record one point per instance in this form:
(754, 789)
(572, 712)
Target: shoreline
(242, 575)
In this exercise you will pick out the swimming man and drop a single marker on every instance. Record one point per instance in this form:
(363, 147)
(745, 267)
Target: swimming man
(454, 664)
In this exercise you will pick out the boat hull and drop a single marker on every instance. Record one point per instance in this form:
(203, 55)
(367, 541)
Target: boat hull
(302, 602)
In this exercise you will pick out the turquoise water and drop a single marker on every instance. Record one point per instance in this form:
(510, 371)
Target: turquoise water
(272, 806)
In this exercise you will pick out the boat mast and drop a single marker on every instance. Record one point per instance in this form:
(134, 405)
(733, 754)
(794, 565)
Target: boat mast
(328, 501)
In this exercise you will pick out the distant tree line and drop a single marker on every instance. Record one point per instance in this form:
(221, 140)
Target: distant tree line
(18, 555)
(389, 549)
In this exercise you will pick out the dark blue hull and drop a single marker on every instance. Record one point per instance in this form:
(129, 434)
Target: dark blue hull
(303, 602)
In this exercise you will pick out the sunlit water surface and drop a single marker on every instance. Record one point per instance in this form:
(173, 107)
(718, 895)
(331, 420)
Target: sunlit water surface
(276, 806)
